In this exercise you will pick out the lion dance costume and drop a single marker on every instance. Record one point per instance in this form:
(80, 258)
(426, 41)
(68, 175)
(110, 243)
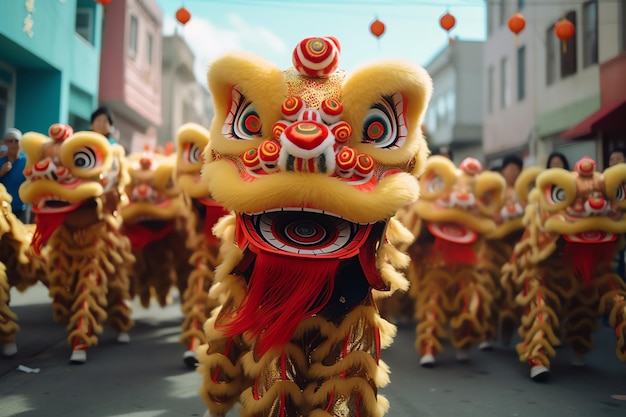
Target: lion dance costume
(456, 209)
(562, 264)
(191, 140)
(497, 251)
(75, 183)
(17, 269)
(159, 222)
(313, 163)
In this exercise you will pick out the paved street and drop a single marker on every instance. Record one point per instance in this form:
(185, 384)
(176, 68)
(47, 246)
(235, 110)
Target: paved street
(148, 379)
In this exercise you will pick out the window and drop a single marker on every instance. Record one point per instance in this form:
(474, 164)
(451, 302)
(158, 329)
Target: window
(4, 106)
(132, 39)
(521, 73)
(553, 47)
(490, 89)
(84, 23)
(490, 17)
(505, 91)
(590, 33)
(568, 54)
(450, 106)
(520, 5)
(150, 47)
(441, 111)
(431, 119)
(502, 18)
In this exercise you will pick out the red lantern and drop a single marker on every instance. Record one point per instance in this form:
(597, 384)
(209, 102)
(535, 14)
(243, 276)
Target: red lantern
(516, 24)
(564, 30)
(183, 15)
(377, 28)
(447, 22)
(103, 2)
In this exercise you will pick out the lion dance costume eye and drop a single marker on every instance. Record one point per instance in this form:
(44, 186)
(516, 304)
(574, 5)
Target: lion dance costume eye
(313, 163)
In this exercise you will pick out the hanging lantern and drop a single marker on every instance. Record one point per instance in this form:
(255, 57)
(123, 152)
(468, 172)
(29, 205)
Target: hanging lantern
(377, 28)
(564, 30)
(183, 15)
(103, 2)
(516, 24)
(447, 22)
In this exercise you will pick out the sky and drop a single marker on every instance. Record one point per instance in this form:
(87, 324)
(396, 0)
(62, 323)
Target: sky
(272, 28)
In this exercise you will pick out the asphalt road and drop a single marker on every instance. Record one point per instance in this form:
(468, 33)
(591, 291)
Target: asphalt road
(147, 378)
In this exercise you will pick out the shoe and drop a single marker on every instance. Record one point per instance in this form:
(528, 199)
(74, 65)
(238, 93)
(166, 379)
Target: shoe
(78, 356)
(427, 361)
(190, 359)
(123, 337)
(485, 346)
(9, 349)
(539, 373)
(462, 355)
(578, 359)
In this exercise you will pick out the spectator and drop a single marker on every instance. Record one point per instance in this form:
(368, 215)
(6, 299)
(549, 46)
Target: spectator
(511, 167)
(12, 173)
(102, 122)
(557, 160)
(617, 156)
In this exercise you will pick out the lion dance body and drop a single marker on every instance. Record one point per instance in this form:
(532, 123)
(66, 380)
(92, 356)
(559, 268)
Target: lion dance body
(561, 267)
(75, 183)
(159, 222)
(17, 269)
(191, 140)
(313, 163)
(455, 209)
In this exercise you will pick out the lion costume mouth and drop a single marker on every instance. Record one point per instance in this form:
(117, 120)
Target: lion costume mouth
(304, 233)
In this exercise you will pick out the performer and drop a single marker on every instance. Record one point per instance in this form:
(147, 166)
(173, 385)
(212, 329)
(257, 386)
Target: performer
(75, 183)
(191, 141)
(17, 269)
(562, 264)
(158, 220)
(456, 209)
(313, 162)
(497, 251)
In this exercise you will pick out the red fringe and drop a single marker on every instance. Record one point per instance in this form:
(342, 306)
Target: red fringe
(141, 235)
(453, 253)
(46, 223)
(584, 258)
(282, 292)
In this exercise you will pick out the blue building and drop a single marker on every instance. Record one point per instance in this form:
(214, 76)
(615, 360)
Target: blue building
(49, 62)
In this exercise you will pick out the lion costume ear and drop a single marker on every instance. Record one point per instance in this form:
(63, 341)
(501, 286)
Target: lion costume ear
(439, 176)
(556, 189)
(244, 85)
(385, 104)
(490, 189)
(525, 182)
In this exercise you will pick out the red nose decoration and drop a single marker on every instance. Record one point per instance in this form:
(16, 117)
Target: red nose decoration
(585, 167)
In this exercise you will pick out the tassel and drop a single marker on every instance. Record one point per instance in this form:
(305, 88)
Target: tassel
(282, 292)
(46, 224)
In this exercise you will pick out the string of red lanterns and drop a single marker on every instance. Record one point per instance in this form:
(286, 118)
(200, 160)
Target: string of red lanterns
(377, 28)
(183, 15)
(516, 24)
(564, 30)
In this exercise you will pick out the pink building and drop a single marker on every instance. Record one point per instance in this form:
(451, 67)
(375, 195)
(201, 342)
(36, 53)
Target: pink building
(130, 70)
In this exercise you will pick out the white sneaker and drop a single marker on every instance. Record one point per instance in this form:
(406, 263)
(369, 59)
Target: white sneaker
(9, 349)
(578, 359)
(427, 361)
(210, 414)
(486, 345)
(78, 356)
(462, 355)
(539, 373)
(123, 337)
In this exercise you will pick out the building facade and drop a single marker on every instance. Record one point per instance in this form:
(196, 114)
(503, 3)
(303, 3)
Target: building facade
(49, 62)
(537, 86)
(130, 70)
(185, 100)
(454, 117)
